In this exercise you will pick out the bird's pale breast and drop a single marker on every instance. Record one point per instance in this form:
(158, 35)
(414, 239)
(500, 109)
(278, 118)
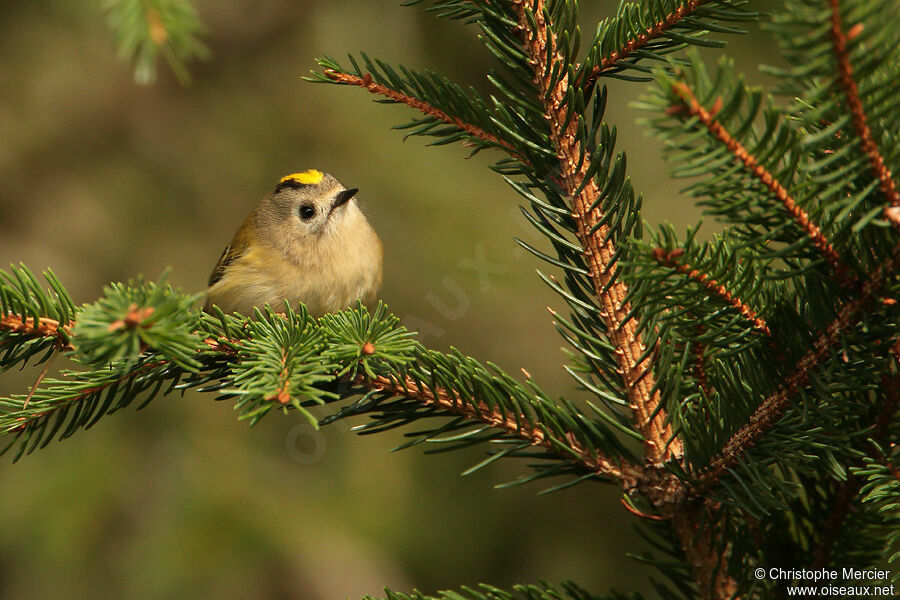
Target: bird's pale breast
(331, 280)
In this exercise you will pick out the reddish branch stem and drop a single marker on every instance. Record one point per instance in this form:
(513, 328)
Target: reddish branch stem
(367, 83)
(706, 546)
(762, 174)
(611, 60)
(634, 363)
(670, 259)
(860, 121)
(516, 425)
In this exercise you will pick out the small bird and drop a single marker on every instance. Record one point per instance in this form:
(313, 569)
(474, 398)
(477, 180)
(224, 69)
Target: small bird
(307, 241)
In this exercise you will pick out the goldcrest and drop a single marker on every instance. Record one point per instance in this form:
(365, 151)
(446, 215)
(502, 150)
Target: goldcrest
(308, 242)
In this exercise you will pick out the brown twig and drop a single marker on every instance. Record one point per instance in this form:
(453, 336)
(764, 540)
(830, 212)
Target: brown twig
(39, 379)
(693, 106)
(44, 327)
(518, 425)
(366, 82)
(860, 121)
(220, 345)
(773, 407)
(611, 60)
(670, 259)
(634, 363)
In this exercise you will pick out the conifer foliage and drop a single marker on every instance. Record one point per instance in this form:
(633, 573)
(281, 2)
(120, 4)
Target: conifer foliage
(758, 370)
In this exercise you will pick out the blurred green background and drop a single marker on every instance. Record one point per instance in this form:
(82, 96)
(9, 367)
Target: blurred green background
(102, 180)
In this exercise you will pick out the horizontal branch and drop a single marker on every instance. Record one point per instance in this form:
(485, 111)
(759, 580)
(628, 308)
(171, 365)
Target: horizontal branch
(692, 104)
(519, 426)
(566, 447)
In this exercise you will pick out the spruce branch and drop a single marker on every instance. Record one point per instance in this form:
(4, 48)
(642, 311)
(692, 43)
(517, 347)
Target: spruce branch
(134, 316)
(36, 328)
(366, 82)
(146, 29)
(848, 492)
(33, 319)
(700, 527)
(279, 362)
(707, 116)
(881, 497)
(451, 114)
(634, 363)
(518, 425)
(773, 408)
(76, 401)
(143, 338)
(747, 461)
(653, 32)
(671, 259)
(860, 120)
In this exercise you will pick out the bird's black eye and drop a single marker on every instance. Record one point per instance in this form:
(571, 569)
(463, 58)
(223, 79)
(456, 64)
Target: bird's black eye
(307, 212)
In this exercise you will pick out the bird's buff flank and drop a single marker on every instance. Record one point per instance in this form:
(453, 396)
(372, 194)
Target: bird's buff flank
(307, 241)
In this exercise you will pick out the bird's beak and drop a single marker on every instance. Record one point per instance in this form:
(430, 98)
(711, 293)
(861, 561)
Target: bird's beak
(343, 197)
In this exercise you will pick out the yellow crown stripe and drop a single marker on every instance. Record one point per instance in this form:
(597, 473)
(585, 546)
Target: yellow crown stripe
(311, 177)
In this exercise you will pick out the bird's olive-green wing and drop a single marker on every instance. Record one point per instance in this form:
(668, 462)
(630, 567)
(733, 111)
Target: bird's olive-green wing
(232, 252)
(226, 259)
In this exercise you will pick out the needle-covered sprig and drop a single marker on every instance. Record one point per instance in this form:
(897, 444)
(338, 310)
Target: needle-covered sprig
(144, 30)
(136, 316)
(279, 364)
(34, 320)
(373, 344)
(145, 338)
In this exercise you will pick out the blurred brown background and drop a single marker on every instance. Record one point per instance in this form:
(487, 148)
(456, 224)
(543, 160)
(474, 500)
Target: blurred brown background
(102, 180)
